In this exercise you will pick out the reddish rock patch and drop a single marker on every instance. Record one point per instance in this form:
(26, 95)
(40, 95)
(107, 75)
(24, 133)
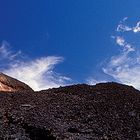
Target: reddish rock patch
(9, 84)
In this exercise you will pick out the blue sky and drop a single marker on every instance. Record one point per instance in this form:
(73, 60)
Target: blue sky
(49, 43)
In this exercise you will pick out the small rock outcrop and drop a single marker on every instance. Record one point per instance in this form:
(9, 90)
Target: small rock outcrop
(9, 84)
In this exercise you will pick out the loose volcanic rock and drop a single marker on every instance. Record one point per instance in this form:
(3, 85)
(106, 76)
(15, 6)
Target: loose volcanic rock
(9, 84)
(107, 111)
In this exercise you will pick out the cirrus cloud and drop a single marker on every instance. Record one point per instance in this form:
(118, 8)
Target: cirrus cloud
(125, 67)
(122, 27)
(38, 73)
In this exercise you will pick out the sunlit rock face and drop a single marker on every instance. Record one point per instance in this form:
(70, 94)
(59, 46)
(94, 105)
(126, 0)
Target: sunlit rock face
(9, 84)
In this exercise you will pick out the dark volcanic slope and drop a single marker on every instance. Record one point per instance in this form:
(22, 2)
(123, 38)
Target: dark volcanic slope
(108, 111)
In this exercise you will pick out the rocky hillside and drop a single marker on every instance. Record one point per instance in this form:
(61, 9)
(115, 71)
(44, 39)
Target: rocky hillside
(9, 84)
(108, 111)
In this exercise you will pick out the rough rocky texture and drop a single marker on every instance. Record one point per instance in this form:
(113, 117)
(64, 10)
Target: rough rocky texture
(108, 111)
(9, 84)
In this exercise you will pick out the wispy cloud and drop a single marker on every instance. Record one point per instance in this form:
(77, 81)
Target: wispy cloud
(6, 53)
(120, 41)
(127, 47)
(125, 67)
(122, 27)
(38, 73)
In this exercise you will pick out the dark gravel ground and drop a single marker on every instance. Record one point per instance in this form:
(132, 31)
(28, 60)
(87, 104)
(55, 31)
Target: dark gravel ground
(108, 111)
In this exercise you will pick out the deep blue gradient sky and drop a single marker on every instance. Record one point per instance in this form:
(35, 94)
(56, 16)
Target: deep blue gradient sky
(78, 30)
